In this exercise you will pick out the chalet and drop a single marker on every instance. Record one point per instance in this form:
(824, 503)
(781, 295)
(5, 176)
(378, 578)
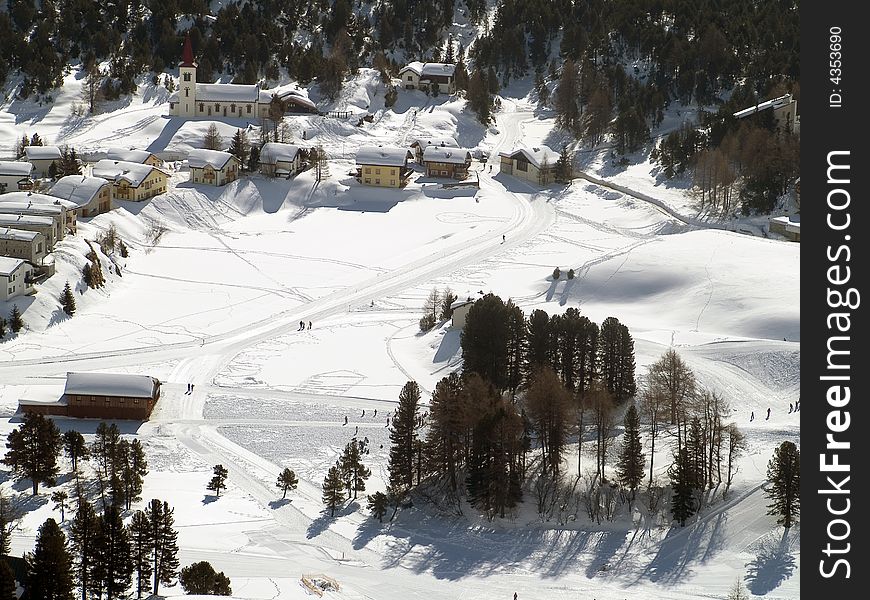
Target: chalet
(382, 166)
(36, 203)
(102, 396)
(90, 195)
(460, 310)
(131, 181)
(41, 158)
(280, 160)
(26, 245)
(15, 176)
(419, 145)
(213, 167)
(783, 109)
(14, 278)
(44, 225)
(294, 101)
(446, 162)
(132, 155)
(536, 164)
(421, 76)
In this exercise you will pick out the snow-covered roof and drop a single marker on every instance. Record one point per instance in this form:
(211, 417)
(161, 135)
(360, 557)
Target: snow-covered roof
(137, 156)
(200, 157)
(37, 198)
(78, 189)
(446, 155)
(458, 303)
(7, 220)
(791, 224)
(8, 265)
(387, 156)
(16, 168)
(110, 384)
(423, 142)
(295, 96)
(429, 69)
(227, 92)
(29, 208)
(773, 103)
(117, 170)
(18, 235)
(534, 155)
(42, 152)
(274, 152)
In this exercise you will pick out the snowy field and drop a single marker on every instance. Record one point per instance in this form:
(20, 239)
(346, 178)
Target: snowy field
(217, 301)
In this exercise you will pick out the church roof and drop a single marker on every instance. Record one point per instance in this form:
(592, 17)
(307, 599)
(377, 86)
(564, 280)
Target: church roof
(187, 54)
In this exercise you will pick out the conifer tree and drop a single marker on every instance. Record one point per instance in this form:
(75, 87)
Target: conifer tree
(59, 498)
(478, 96)
(547, 405)
(567, 95)
(485, 340)
(19, 151)
(68, 301)
(447, 300)
(164, 550)
(683, 504)
(134, 468)
(33, 449)
(218, 481)
(49, 566)
(105, 447)
(333, 489)
(16, 323)
(784, 478)
(254, 158)
(447, 429)
(403, 436)
(2, 328)
(201, 578)
(36, 140)
(630, 464)
(114, 554)
(10, 520)
(7, 582)
(738, 591)
(616, 359)
(538, 344)
(240, 147)
(84, 534)
(377, 505)
(287, 481)
(353, 471)
(141, 551)
(516, 346)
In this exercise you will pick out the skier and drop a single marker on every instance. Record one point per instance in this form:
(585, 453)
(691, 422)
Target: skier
(502, 238)
(752, 416)
(789, 408)
(345, 420)
(191, 388)
(363, 414)
(768, 414)
(356, 431)
(376, 412)
(309, 324)
(515, 596)
(301, 326)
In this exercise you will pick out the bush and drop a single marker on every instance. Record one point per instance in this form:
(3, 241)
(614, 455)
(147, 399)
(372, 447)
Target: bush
(556, 274)
(571, 274)
(201, 578)
(427, 323)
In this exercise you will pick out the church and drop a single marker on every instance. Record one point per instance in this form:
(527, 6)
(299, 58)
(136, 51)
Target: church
(214, 99)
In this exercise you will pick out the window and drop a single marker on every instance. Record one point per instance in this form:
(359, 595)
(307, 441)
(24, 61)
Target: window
(248, 109)
(377, 171)
(232, 108)
(392, 182)
(368, 180)
(410, 78)
(186, 92)
(368, 170)
(217, 106)
(201, 107)
(377, 182)
(187, 76)
(522, 165)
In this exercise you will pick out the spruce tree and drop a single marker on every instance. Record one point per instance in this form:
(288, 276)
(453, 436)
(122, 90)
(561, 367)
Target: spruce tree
(630, 464)
(447, 430)
(7, 581)
(218, 482)
(287, 481)
(33, 449)
(683, 504)
(2, 328)
(141, 551)
(403, 437)
(485, 340)
(83, 535)
(567, 95)
(75, 448)
(49, 566)
(333, 489)
(353, 471)
(240, 147)
(19, 151)
(16, 323)
(134, 468)
(164, 550)
(10, 520)
(784, 479)
(377, 505)
(68, 300)
(36, 140)
(59, 498)
(254, 158)
(114, 554)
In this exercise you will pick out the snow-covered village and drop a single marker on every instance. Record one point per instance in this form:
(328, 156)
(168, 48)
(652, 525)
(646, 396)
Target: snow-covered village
(352, 299)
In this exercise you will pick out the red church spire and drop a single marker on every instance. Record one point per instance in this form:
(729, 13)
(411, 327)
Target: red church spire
(187, 53)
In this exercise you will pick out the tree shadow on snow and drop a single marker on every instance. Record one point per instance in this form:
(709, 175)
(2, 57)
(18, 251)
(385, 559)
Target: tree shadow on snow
(448, 347)
(208, 499)
(682, 546)
(773, 564)
(321, 523)
(276, 504)
(367, 531)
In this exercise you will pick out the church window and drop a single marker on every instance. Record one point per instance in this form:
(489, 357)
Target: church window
(187, 76)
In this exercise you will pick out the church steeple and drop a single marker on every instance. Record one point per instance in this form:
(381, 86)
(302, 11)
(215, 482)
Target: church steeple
(187, 53)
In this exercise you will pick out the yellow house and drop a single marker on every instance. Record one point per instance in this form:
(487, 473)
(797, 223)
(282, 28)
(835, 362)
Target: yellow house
(213, 167)
(383, 166)
(131, 181)
(91, 195)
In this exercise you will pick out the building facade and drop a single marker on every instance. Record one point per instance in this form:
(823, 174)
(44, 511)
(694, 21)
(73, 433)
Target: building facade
(131, 181)
(90, 195)
(26, 245)
(102, 396)
(132, 155)
(421, 76)
(42, 157)
(15, 176)
(446, 162)
(280, 160)
(14, 278)
(382, 166)
(213, 167)
(536, 165)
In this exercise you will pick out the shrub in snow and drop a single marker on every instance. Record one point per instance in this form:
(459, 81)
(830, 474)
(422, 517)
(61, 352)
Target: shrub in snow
(556, 273)
(427, 323)
(571, 274)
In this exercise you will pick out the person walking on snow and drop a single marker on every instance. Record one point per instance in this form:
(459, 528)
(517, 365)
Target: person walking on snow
(789, 408)
(309, 324)
(768, 414)
(752, 416)
(345, 420)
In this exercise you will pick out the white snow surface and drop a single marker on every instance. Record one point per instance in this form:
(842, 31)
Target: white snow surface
(110, 384)
(217, 298)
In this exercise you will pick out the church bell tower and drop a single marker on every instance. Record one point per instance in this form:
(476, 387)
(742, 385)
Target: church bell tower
(187, 79)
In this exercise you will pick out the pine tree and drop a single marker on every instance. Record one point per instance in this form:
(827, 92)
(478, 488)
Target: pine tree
(333, 489)
(485, 340)
(105, 446)
(738, 591)
(33, 449)
(200, 578)
(36, 140)
(564, 167)
(10, 520)
(164, 550)
(92, 87)
(287, 481)
(516, 347)
(7, 581)
(447, 429)
(353, 471)
(2, 328)
(478, 96)
(616, 359)
(547, 405)
(24, 143)
(68, 301)
(49, 566)
(141, 548)
(218, 482)
(683, 504)
(377, 505)
(16, 323)
(114, 554)
(83, 535)
(59, 498)
(403, 437)
(447, 300)
(630, 464)
(134, 468)
(567, 94)
(784, 477)
(240, 147)
(254, 158)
